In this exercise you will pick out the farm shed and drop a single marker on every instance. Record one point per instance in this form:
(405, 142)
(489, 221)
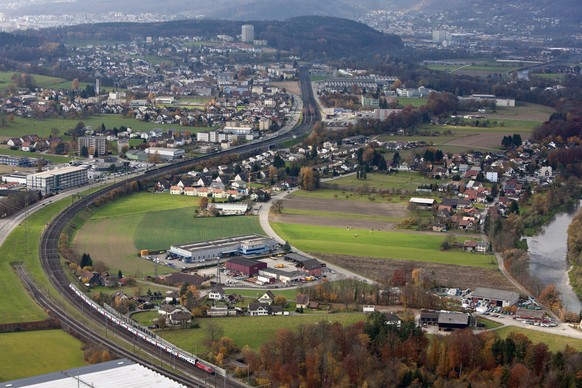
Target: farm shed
(499, 298)
(452, 320)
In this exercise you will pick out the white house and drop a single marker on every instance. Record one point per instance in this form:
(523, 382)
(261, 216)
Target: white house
(216, 293)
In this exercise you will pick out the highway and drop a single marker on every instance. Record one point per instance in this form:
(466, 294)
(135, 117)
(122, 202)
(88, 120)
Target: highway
(51, 262)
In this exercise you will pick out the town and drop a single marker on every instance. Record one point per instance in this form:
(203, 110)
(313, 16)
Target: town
(211, 201)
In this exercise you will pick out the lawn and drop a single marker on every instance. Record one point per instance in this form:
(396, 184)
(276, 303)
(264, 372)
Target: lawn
(390, 245)
(251, 331)
(415, 102)
(35, 352)
(349, 195)
(256, 293)
(555, 342)
(145, 318)
(141, 203)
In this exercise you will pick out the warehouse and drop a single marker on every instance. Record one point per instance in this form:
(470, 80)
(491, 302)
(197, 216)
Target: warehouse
(165, 153)
(452, 320)
(245, 266)
(309, 265)
(499, 298)
(232, 246)
(54, 181)
(282, 275)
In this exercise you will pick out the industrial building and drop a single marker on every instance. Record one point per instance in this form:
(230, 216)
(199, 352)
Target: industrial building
(449, 320)
(165, 153)
(93, 143)
(251, 244)
(54, 181)
(499, 298)
(245, 266)
(282, 275)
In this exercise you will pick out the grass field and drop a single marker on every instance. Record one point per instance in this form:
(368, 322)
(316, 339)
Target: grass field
(23, 126)
(406, 101)
(555, 342)
(22, 246)
(38, 352)
(400, 181)
(4, 150)
(251, 331)
(389, 245)
(154, 222)
(340, 215)
(42, 81)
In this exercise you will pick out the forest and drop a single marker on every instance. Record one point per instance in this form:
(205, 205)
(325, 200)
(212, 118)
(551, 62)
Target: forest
(378, 354)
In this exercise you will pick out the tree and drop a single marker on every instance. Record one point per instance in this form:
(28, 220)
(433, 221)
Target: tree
(309, 178)
(120, 275)
(287, 248)
(86, 260)
(84, 152)
(277, 206)
(280, 300)
(75, 84)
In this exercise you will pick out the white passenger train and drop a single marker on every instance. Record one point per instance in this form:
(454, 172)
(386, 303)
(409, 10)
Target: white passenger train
(143, 333)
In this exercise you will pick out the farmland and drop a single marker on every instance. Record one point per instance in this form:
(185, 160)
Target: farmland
(41, 81)
(251, 331)
(421, 247)
(154, 222)
(33, 353)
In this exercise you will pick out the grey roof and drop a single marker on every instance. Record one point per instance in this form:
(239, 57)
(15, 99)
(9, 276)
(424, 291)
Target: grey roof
(116, 373)
(243, 261)
(297, 257)
(453, 318)
(494, 294)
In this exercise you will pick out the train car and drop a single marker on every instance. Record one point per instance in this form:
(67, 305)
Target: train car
(205, 368)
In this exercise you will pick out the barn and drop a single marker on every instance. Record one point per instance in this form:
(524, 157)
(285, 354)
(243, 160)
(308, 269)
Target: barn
(245, 266)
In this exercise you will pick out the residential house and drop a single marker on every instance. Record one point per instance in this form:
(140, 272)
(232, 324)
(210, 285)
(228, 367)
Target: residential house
(268, 298)
(216, 293)
(302, 301)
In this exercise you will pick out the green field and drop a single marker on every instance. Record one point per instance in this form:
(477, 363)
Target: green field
(23, 126)
(154, 222)
(22, 246)
(339, 215)
(390, 245)
(401, 181)
(41, 81)
(251, 331)
(38, 352)
(52, 158)
(415, 102)
(256, 293)
(555, 342)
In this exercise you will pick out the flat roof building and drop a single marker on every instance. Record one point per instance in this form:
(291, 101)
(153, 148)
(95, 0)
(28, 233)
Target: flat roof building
(116, 373)
(245, 266)
(165, 153)
(205, 250)
(55, 181)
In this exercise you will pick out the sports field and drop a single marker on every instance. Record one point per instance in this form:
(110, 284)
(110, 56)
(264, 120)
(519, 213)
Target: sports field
(423, 247)
(251, 331)
(153, 222)
(38, 352)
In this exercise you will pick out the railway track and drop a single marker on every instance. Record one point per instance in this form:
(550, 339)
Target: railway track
(51, 263)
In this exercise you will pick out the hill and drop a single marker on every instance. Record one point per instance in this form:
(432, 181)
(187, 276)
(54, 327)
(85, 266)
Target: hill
(307, 37)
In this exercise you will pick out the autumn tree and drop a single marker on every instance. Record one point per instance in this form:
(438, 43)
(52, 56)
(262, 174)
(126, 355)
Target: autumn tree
(309, 178)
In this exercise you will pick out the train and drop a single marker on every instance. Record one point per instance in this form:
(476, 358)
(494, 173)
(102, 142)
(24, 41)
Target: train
(143, 333)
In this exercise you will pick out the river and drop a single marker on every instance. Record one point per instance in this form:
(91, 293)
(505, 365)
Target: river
(547, 258)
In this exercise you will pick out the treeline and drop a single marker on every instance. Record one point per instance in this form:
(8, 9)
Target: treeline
(575, 252)
(376, 353)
